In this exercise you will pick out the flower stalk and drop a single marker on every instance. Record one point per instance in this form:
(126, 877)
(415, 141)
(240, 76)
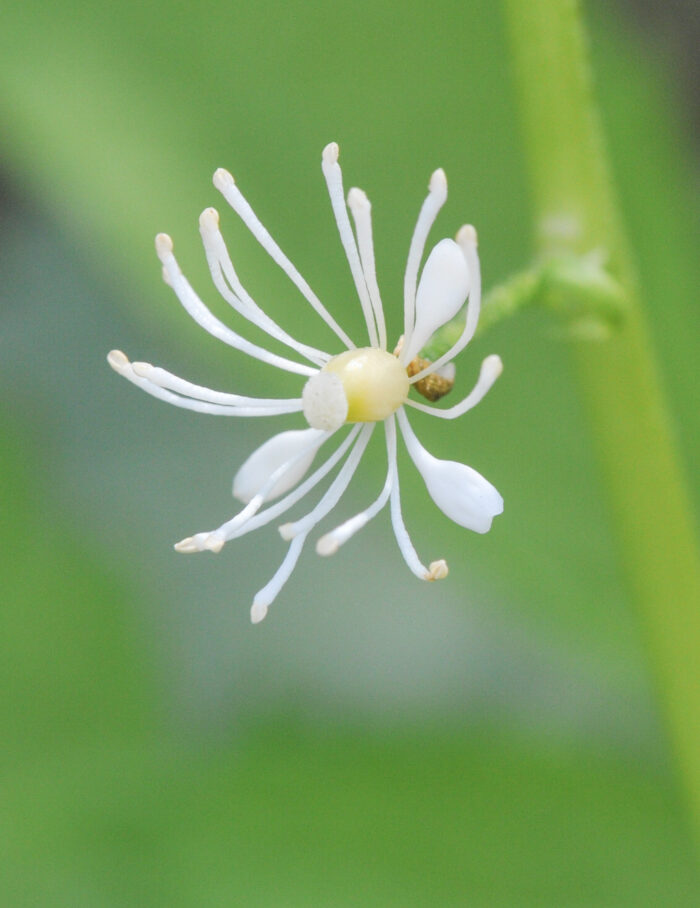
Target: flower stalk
(576, 211)
(576, 290)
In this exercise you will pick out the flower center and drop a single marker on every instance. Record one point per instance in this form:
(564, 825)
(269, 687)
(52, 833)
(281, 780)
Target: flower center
(372, 381)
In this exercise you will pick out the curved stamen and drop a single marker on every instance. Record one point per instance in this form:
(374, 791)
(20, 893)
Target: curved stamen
(232, 529)
(335, 490)
(222, 271)
(467, 239)
(264, 598)
(438, 569)
(215, 540)
(170, 382)
(334, 181)
(402, 538)
(437, 194)
(199, 312)
(224, 182)
(359, 205)
(123, 367)
(491, 368)
(331, 542)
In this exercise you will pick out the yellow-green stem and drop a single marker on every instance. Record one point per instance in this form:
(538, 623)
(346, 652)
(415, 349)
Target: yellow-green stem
(576, 211)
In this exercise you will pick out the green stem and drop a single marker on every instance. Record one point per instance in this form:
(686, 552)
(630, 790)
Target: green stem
(576, 212)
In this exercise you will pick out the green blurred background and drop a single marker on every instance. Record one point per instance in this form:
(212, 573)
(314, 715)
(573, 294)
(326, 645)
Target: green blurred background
(493, 740)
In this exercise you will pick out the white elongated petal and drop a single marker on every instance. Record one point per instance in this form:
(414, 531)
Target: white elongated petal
(468, 243)
(298, 448)
(460, 492)
(442, 291)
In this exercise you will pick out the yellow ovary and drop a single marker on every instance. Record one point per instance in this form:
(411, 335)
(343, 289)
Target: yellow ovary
(374, 381)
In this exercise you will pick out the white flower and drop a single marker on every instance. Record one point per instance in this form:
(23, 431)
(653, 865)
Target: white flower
(358, 387)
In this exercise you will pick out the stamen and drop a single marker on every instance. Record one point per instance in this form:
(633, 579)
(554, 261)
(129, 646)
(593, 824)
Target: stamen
(437, 194)
(224, 182)
(334, 181)
(199, 312)
(220, 266)
(164, 379)
(266, 596)
(361, 211)
(335, 490)
(467, 240)
(215, 540)
(401, 533)
(331, 542)
(119, 362)
(491, 368)
(232, 530)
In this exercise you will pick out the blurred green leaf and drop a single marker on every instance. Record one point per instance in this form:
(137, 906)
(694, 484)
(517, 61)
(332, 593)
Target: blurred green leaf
(294, 817)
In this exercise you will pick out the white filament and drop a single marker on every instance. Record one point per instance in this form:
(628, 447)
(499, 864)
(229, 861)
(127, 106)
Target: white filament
(437, 194)
(331, 542)
(491, 368)
(362, 215)
(199, 312)
(123, 367)
(401, 533)
(334, 491)
(232, 529)
(222, 271)
(164, 379)
(334, 181)
(224, 182)
(215, 541)
(266, 596)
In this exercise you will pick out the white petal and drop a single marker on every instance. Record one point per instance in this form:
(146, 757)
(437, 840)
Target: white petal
(442, 291)
(467, 240)
(459, 491)
(299, 446)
